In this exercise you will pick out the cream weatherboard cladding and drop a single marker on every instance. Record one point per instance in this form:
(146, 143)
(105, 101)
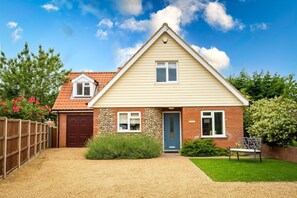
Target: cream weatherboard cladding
(195, 86)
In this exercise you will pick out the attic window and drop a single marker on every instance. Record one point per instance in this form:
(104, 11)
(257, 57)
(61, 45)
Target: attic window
(83, 89)
(166, 72)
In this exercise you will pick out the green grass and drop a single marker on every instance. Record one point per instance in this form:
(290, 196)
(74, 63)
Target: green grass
(247, 170)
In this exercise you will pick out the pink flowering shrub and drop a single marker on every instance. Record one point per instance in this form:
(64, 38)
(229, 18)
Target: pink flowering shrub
(27, 109)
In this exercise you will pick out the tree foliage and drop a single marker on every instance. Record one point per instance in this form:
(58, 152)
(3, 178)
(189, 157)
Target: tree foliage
(264, 85)
(32, 75)
(274, 120)
(22, 108)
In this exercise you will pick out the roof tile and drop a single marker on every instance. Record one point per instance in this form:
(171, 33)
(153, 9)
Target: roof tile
(64, 100)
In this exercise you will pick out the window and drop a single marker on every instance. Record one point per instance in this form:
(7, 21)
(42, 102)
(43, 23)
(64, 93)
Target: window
(83, 89)
(129, 121)
(166, 71)
(213, 123)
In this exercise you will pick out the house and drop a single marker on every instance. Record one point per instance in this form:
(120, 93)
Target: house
(168, 90)
(74, 117)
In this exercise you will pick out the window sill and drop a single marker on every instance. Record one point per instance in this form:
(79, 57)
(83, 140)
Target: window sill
(129, 131)
(217, 137)
(83, 97)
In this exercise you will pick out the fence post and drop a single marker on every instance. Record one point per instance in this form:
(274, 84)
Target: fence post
(35, 145)
(19, 142)
(28, 142)
(5, 147)
(40, 138)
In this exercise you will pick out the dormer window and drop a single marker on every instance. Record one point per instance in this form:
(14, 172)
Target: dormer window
(83, 86)
(83, 89)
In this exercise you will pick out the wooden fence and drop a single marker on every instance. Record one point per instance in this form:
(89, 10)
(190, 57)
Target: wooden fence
(20, 142)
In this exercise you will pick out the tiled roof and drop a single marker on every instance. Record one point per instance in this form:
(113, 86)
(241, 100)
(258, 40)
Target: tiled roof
(64, 101)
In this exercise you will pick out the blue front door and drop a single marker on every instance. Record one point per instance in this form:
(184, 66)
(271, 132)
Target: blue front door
(171, 131)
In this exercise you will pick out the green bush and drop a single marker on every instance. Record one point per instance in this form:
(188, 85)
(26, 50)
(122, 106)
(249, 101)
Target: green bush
(123, 146)
(202, 148)
(274, 120)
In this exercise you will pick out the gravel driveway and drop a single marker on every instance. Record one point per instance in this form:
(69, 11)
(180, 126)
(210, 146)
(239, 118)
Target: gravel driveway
(65, 173)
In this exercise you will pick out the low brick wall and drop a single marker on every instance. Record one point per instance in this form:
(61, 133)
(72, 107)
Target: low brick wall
(283, 153)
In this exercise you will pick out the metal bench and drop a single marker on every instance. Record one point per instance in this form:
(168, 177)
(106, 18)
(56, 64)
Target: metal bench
(247, 145)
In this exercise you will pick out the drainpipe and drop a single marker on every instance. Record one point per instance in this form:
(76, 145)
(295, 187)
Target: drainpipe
(58, 129)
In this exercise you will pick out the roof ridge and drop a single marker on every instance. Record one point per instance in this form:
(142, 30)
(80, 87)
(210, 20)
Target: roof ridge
(92, 72)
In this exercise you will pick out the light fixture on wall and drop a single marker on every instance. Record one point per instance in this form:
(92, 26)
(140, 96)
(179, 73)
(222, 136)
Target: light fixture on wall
(165, 39)
(170, 108)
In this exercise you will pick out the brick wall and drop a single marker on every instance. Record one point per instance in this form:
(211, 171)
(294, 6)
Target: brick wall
(191, 124)
(283, 153)
(62, 129)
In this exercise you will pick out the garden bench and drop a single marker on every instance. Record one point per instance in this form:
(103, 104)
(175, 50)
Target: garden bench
(247, 145)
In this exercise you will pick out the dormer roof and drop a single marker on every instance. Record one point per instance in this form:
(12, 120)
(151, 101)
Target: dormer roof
(65, 102)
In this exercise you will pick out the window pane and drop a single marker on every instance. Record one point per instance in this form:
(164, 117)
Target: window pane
(161, 74)
(171, 130)
(172, 65)
(207, 126)
(123, 121)
(79, 89)
(207, 113)
(86, 91)
(134, 114)
(218, 117)
(172, 74)
(161, 64)
(134, 124)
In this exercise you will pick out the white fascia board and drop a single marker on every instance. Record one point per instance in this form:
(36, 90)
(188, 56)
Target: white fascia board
(130, 62)
(83, 76)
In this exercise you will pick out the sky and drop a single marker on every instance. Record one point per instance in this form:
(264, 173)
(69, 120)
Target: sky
(100, 35)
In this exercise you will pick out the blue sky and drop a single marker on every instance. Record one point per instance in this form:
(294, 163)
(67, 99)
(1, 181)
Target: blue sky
(93, 35)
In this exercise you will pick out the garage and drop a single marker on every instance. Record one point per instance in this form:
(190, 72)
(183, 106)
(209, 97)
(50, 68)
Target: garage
(79, 130)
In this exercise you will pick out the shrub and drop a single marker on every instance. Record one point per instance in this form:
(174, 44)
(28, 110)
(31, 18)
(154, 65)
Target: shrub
(202, 148)
(27, 109)
(274, 120)
(123, 146)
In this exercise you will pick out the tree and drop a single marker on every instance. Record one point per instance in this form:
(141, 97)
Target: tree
(261, 85)
(30, 75)
(274, 120)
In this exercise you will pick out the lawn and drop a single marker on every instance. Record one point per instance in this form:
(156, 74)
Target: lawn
(247, 170)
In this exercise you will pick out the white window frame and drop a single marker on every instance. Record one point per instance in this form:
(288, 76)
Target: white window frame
(83, 90)
(128, 121)
(167, 71)
(213, 123)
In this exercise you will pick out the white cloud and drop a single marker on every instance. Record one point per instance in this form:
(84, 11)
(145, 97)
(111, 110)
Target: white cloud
(189, 9)
(177, 14)
(12, 24)
(218, 59)
(215, 15)
(102, 34)
(258, 26)
(105, 22)
(171, 15)
(50, 7)
(133, 25)
(17, 34)
(123, 54)
(89, 8)
(130, 7)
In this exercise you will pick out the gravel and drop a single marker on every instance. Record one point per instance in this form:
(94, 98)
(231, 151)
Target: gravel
(66, 173)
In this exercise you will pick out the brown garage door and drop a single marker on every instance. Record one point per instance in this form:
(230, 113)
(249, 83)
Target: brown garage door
(79, 130)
